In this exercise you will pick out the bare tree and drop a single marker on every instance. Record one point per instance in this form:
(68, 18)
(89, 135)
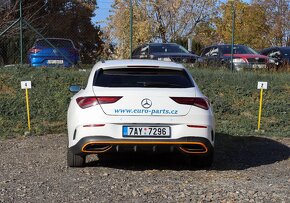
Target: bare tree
(179, 18)
(165, 20)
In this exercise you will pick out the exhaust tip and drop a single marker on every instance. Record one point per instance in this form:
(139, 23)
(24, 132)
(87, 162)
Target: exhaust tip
(96, 148)
(198, 148)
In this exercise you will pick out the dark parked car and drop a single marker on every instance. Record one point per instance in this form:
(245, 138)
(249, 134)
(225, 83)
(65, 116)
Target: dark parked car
(64, 53)
(281, 55)
(243, 57)
(164, 52)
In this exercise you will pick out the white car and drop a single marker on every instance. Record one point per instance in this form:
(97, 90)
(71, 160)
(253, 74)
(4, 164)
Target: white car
(135, 105)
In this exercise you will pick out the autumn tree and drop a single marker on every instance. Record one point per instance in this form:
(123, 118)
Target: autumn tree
(278, 20)
(250, 24)
(206, 33)
(119, 26)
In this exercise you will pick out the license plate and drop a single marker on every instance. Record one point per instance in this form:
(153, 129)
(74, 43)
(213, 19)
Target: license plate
(150, 131)
(55, 61)
(259, 65)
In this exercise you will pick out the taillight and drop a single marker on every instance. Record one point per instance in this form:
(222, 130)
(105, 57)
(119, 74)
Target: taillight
(196, 126)
(94, 125)
(86, 102)
(34, 50)
(195, 101)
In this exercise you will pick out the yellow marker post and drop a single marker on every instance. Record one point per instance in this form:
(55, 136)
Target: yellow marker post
(27, 85)
(261, 86)
(260, 109)
(27, 108)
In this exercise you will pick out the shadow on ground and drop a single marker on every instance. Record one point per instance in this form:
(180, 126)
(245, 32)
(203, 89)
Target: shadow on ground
(242, 152)
(231, 153)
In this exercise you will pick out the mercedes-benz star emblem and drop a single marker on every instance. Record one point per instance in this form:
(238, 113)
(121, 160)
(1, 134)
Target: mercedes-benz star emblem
(146, 103)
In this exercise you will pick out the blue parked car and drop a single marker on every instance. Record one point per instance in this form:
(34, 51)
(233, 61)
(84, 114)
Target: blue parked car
(64, 53)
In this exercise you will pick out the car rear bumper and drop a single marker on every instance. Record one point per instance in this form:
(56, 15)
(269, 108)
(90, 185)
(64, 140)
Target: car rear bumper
(115, 130)
(46, 64)
(51, 61)
(104, 144)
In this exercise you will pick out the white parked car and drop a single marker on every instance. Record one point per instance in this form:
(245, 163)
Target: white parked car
(135, 105)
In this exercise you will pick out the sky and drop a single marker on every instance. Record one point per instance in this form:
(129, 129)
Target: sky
(104, 6)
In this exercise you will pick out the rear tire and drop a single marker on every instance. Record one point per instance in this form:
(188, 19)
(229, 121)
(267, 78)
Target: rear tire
(74, 160)
(205, 161)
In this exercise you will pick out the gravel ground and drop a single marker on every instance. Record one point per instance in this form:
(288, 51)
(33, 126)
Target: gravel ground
(246, 169)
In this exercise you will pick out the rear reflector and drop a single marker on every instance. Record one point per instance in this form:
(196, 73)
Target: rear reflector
(197, 126)
(86, 102)
(195, 101)
(94, 125)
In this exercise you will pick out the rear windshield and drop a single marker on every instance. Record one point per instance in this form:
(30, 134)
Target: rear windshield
(142, 77)
(59, 43)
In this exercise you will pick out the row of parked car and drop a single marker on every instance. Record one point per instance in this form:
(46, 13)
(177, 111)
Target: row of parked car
(220, 55)
(63, 52)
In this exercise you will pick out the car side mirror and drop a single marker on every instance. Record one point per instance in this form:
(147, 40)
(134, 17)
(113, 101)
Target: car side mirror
(74, 88)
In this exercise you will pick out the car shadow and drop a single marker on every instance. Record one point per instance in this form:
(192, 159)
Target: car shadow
(242, 152)
(231, 153)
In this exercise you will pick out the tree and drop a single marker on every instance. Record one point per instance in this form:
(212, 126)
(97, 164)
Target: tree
(250, 24)
(119, 26)
(157, 20)
(278, 20)
(55, 18)
(179, 18)
(206, 33)
(9, 13)
(72, 19)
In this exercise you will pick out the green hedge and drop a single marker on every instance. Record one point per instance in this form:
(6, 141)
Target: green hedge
(234, 97)
(49, 99)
